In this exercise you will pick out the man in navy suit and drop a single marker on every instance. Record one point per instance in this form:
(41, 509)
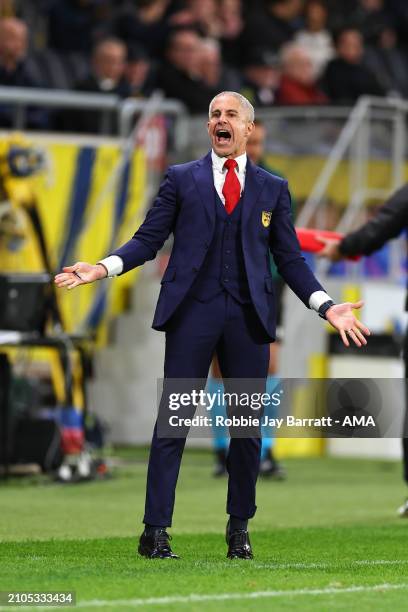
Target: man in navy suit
(217, 296)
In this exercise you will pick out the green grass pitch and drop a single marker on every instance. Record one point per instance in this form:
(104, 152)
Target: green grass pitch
(326, 539)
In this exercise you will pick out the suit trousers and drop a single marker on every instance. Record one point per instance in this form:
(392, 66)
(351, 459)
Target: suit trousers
(195, 332)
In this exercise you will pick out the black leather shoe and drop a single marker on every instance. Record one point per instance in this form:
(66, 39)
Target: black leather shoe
(156, 545)
(239, 546)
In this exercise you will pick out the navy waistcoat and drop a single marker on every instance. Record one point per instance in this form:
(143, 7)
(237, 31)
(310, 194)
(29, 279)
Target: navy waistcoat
(224, 267)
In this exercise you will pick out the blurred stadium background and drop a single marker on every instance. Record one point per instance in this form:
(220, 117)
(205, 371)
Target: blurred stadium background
(97, 98)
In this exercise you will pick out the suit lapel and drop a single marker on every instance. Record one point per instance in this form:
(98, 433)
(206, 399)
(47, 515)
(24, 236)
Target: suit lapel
(204, 180)
(254, 181)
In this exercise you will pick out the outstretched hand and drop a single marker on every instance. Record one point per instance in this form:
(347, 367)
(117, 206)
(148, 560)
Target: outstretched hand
(341, 317)
(80, 273)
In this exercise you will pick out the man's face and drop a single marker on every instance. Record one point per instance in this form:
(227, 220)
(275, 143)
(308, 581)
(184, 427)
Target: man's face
(229, 127)
(210, 66)
(109, 61)
(316, 16)
(13, 40)
(350, 46)
(183, 52)
(299, 67)
(256, 144)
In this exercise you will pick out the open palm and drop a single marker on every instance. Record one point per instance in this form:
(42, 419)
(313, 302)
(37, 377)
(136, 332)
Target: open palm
(81, 273)
(341, 317)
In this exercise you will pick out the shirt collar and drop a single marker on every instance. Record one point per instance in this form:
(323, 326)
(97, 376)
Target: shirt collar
(218, 162)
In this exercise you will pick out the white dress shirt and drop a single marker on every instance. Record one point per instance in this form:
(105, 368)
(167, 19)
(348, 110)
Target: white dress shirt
(114, 263)
(219, 172)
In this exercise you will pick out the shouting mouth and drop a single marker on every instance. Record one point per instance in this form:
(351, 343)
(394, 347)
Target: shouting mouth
(223, 136)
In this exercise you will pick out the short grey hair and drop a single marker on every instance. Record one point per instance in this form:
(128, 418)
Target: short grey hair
(244, 102)
(287, 51)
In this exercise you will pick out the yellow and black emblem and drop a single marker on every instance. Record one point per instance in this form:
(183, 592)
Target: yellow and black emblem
(266, 218)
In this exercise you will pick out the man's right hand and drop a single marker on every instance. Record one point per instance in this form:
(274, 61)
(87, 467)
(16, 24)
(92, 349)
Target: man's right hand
(80, 273)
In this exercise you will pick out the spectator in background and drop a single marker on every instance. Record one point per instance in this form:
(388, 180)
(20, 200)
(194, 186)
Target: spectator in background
(145, 22)
(211, 68)
(13, 53)
(139, 72)
(271, 27)
(107, 75)
(202, 15)
(107, 69)
(14, 71)
(75, 25)
(261, 77)
(298, 84)
(346, 78)
(179, 75)
(386, 60)
(232, 24)
(315, 37)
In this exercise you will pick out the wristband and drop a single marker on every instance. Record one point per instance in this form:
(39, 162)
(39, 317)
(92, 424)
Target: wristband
(324, 308)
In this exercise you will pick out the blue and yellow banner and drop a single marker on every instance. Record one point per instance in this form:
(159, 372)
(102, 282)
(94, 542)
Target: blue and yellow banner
(89, 199)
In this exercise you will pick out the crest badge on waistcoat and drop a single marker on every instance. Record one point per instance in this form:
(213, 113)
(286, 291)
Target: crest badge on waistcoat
(266, 218)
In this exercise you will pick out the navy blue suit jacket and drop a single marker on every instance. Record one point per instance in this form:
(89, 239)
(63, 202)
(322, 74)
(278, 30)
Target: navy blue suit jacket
(185, 206)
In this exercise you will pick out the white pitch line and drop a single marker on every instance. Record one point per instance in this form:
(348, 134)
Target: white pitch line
(341, 564)
(199, 598)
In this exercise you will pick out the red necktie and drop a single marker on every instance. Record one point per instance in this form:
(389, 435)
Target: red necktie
(232, 187)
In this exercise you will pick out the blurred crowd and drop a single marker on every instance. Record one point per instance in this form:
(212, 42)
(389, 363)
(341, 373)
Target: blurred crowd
(275, 52)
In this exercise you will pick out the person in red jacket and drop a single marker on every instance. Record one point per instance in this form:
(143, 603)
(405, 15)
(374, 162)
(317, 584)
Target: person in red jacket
(298, 84)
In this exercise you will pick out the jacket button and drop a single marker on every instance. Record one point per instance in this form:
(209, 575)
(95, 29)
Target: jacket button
(195, 269)
(206, 245)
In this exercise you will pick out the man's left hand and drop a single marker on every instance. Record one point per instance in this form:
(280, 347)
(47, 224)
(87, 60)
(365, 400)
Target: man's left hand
(341, 317)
